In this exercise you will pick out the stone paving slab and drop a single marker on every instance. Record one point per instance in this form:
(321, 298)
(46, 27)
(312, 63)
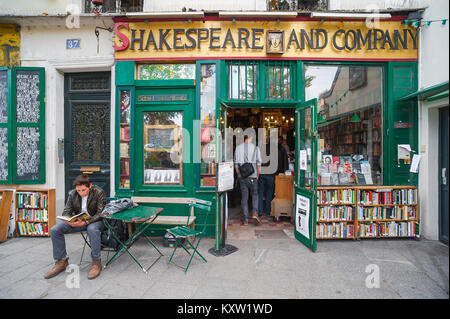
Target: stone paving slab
(262, 268)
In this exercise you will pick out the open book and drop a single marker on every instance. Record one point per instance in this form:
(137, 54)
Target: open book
(81, 216)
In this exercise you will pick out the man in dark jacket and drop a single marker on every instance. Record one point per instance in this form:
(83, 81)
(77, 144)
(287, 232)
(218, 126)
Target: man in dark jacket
(86, 198)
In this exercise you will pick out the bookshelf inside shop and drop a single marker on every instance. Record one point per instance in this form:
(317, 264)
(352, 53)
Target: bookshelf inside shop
(124, 139)
(367, 212)
(35, 212)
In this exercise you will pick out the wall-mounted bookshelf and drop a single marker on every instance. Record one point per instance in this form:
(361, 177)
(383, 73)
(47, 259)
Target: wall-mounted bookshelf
(367, 212)
(35, 212)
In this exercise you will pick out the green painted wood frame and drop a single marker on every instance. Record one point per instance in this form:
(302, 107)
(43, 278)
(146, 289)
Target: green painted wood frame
(8, 126)
(12, 126)
(125, 192)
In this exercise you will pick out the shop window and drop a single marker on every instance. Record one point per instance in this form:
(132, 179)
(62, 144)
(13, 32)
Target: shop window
(207, 121)
(166, 71)
(163, 147)
(242, 80)
(350, 122)
(22, 125)
(278, 81)
(124, 139)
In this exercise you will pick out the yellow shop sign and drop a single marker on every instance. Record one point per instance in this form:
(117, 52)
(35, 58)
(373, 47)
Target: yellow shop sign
(351, 40)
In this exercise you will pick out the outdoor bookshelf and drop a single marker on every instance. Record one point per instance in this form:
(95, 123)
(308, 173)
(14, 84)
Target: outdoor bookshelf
(35, 212)
(5, 211)
(336, 210)
(367, 212)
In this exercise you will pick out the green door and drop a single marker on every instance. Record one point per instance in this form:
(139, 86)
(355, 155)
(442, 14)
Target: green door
(305, 173)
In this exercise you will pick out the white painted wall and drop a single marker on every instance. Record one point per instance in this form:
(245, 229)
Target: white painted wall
(372, 4)
(433, 70)
(45, 46)
(36, 7)
(209, 5)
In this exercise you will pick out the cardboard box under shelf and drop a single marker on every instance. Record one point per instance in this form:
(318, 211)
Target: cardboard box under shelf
(282, 207)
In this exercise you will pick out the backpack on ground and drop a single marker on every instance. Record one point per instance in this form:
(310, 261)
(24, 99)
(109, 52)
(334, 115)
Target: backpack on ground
(120, 230)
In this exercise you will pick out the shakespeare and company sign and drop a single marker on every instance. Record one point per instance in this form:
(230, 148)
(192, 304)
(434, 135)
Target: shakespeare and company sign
(315, 40)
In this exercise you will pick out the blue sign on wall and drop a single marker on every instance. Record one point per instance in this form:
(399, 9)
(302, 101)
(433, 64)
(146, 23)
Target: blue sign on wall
(73, 44)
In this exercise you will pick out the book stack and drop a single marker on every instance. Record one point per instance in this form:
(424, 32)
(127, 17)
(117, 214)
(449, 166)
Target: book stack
(32, 229)
(335, 230)
(334, 213)
(387, 229)
(382, 213)
(31, 200)
(37, 215)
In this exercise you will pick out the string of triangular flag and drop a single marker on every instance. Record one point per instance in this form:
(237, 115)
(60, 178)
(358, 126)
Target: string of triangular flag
(417, 23)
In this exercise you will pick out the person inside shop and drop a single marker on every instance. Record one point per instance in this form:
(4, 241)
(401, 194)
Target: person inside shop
(266, 180)
(327, 149)
(247, 152)
(87, 198)
(283, 158)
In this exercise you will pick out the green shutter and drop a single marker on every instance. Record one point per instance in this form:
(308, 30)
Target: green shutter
(401, 118)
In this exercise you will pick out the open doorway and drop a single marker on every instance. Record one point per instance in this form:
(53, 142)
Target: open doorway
(275, 190)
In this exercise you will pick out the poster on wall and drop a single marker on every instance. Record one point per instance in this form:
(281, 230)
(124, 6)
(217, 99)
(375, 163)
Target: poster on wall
(302, 215)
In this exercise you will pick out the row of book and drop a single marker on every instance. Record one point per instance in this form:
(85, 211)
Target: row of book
(387, 229)
(35, 215)
(124, 167)
(336, 196)
(32, 200)
(124, 150)
(380, 212)
(389, 197)
(334, 213)
(32, 229)
(335, 230)
(124, 133)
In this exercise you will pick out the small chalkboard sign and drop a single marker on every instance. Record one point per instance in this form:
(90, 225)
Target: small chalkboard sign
(28, 153)
(28, 96)
(3, 153)
(3, 96)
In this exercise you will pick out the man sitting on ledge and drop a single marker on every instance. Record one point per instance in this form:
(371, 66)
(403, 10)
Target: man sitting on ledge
(85, 198)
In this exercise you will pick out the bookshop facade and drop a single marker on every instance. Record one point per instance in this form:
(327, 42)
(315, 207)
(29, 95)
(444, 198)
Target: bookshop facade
(332, 89)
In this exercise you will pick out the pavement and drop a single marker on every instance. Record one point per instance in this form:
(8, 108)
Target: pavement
(271, 264)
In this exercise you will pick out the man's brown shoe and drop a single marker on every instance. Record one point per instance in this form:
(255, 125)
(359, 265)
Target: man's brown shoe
(96, 268)
(60, 266)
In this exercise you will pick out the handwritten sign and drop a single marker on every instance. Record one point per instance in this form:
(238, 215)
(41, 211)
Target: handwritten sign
(28, 153)
(28, 96)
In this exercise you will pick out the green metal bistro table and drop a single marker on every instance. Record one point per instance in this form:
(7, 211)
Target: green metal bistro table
(143, 216)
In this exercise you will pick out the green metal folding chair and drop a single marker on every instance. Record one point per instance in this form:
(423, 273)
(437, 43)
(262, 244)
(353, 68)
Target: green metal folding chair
(184, 234)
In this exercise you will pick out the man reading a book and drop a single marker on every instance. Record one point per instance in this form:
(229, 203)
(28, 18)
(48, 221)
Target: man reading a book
(85, 198)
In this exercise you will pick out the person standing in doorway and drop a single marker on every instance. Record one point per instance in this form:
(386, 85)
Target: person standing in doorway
(266, 180)
(86, 198)
(247, 152)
